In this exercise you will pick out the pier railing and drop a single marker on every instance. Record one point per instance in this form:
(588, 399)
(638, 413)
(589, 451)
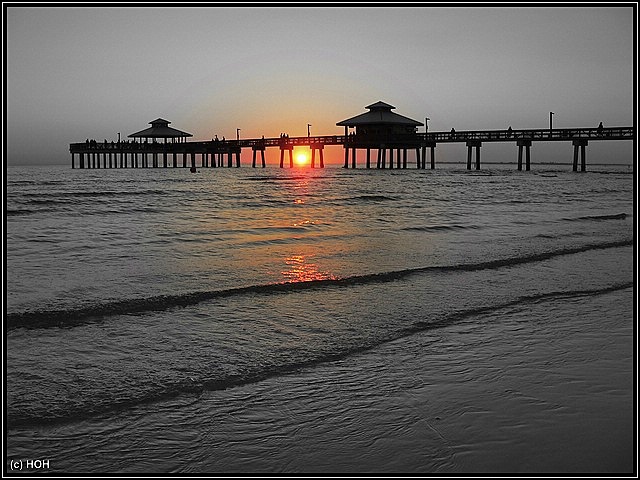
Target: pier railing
(362, 140)
(609, 133)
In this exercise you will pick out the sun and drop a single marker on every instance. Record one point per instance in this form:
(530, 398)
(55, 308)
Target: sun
(302, 159)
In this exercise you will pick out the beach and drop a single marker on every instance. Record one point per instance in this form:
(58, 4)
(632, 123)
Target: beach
(363, 329)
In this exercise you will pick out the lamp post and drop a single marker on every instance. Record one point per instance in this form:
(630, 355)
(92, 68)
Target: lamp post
(426, 124)
(551, 121)
(308, 131)
(118, 137)
(237, 134)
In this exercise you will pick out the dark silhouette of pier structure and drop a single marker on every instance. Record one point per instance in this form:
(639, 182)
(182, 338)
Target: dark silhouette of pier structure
(379, 129)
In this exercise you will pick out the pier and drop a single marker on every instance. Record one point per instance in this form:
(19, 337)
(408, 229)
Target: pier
(379, 130)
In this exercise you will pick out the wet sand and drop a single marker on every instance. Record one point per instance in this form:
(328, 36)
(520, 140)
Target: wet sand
(541, 387)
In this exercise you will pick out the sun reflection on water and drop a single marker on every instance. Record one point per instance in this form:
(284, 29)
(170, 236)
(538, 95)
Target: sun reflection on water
(301, 269)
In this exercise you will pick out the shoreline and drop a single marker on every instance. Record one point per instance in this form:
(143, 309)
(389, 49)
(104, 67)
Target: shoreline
(521, 389)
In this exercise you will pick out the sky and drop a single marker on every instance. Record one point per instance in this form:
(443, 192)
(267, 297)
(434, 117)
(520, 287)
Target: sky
(73, 73)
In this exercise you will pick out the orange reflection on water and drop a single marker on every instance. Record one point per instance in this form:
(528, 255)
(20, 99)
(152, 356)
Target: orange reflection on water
(300, 269)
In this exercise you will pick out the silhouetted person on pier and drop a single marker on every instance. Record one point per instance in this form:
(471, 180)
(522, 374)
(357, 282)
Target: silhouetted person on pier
(509, 131)
(453, 132)
(600, 129)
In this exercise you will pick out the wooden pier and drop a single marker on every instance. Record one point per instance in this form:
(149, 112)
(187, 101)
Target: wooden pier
(378, 130)
(214, 154)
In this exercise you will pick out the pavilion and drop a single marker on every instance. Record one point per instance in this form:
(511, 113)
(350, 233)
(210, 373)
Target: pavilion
(380, 129)
(380, 120)
(160, 129)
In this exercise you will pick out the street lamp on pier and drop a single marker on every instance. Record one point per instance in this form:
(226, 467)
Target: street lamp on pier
(308, 130)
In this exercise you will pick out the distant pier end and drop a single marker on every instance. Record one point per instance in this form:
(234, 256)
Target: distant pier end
(379, 129)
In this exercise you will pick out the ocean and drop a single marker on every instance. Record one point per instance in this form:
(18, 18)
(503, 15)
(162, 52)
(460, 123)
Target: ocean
(320, 321)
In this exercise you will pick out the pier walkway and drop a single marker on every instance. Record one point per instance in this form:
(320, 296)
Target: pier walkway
(137, 154)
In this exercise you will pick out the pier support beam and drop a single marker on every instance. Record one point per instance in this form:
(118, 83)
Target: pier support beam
(470, 144)
(319, 147)
(368, 164)
(433, 157)
(526, 144)
(354, 161)
(583, 154)
(289, 148)
(261, 150)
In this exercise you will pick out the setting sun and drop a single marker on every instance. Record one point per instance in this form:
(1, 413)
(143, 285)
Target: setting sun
(302, 158)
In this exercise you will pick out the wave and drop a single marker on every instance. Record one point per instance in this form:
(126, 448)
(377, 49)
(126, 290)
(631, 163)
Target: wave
(191, 386)
(596, 218)
(68, 196)
(273, 178)
(365, 199)
(10, 212)
(429, 228)
(95, 313)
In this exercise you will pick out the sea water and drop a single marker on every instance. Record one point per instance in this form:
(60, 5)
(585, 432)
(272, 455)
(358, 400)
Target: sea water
(319, 320)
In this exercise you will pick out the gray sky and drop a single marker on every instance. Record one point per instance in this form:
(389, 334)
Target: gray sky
(77, 73)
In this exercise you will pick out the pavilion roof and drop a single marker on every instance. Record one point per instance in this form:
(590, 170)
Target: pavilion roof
(160, 129)
(379, 114)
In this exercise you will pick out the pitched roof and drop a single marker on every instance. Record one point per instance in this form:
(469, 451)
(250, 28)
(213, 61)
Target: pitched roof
(160, 129)
(160, 121)
(379, 114)
(380, 105)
